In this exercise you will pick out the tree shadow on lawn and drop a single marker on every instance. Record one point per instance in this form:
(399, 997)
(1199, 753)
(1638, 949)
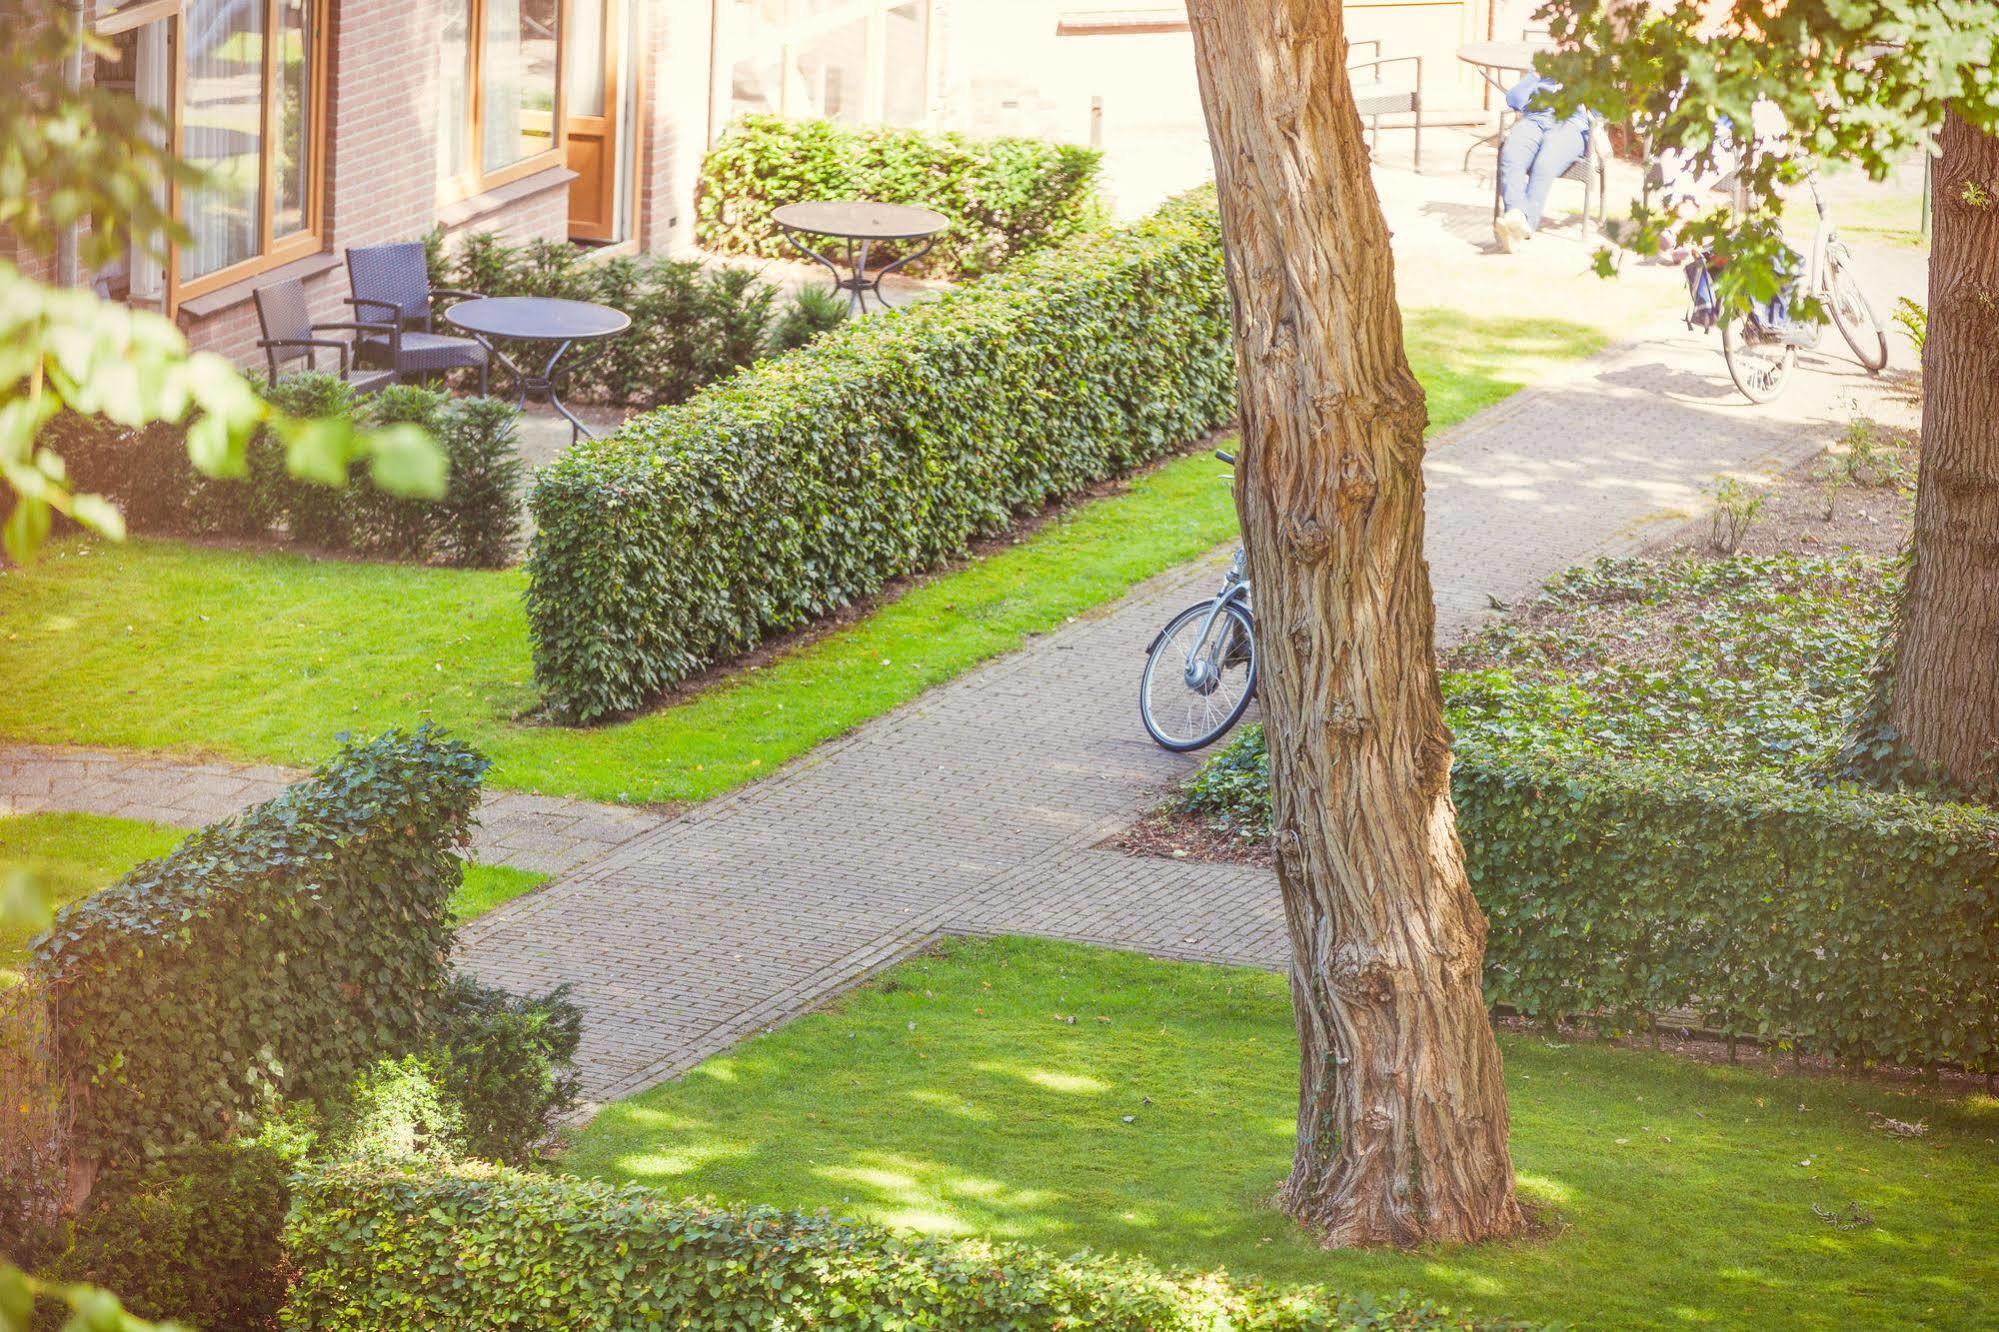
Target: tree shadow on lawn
(954, 1096)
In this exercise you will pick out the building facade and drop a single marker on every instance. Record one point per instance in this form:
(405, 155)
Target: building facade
(328, 124)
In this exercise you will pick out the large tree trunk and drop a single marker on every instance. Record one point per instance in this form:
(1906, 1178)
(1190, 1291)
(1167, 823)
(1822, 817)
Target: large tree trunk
(1401, 1112)
(1945, 693)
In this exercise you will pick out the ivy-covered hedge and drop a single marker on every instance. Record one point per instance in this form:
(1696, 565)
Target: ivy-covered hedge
(477, 522)
(1006, 198)
(389, 1250)
(807, 482)
(1854, 923)
(274, 954)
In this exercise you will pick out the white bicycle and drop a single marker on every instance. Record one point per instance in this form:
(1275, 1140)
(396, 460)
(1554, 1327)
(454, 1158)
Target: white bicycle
(1761, 344)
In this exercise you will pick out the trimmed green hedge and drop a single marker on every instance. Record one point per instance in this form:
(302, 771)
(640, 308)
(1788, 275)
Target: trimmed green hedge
(477, 523)
(1854, 923)
(1006, 198)
(274, 954)
(807, 482)
(382, 1250)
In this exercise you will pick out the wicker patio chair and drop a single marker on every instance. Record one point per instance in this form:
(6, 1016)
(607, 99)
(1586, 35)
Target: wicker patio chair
(392, 286)
(1375, 96)
(290, 335)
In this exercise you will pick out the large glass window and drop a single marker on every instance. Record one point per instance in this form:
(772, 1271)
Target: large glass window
(222, 131)
(852, 60)
(498, 86)
(247, 109)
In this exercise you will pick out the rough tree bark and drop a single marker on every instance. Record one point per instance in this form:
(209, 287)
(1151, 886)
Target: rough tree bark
(1944, 696)
(1402, 1121)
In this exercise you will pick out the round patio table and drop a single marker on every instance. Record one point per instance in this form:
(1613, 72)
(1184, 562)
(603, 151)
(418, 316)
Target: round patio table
(862, 225)
(540, 319)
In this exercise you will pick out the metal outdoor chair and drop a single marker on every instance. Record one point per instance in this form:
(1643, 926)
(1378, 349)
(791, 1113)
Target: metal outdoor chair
(290, 335)
(392, 287)
(1375, 96)
(1594, 173)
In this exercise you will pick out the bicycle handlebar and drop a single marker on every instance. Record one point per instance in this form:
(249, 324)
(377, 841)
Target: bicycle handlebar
(1225, 456)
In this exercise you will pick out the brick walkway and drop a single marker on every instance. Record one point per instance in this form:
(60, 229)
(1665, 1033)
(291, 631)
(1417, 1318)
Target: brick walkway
(529, 832)
(981, 806)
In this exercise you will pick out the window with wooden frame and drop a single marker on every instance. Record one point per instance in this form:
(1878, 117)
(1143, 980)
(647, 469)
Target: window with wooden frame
(244, 84)
(500, 93)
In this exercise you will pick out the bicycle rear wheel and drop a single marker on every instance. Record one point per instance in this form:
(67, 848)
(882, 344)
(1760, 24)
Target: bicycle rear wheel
(1193, 688)
(1759, 362)
(1856, 319)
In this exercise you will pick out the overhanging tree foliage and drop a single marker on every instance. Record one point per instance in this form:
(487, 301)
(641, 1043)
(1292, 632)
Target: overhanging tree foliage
(1865, 84)
(1402, 1120)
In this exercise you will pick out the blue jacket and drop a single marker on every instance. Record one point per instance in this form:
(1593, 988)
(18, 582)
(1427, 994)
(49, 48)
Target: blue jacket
(1522, 96)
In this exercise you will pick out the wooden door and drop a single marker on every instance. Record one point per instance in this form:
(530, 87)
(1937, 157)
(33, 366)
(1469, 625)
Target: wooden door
(596, 63)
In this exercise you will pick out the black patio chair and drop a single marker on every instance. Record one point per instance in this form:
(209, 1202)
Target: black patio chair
(392, 286)
(1376, 96)
(291, 335)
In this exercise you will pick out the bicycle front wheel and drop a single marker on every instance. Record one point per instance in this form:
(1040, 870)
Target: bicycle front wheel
(1758, 362)
(1856, 319)
(1196, 687)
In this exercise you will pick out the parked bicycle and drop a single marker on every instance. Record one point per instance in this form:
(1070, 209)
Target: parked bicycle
(1200, 671)
(1761, 342)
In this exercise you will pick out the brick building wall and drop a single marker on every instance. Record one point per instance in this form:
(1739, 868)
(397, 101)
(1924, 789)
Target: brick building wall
(383, 109)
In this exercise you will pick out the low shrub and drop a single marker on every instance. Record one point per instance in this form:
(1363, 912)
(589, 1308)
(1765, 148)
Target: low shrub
(396, 1111)
(807, 482)
(1847, 922)
(509, 1062)
(1851, 923)
(269, 956)
(692, 323)
(195, 1235)
(384, 1250)
(476, 523)
(1007, 198)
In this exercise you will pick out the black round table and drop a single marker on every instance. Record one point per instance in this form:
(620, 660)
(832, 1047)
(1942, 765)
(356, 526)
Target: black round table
(862, 225)
(539, 319)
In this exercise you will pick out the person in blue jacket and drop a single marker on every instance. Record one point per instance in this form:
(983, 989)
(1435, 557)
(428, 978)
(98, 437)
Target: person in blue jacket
(1536, 151)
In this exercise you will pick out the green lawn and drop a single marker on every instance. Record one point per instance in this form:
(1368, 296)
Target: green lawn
(262, 656)
(72, 855)
(953, 1095)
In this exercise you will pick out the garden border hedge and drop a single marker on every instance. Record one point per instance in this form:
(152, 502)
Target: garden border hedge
(383, 1250)
(1006, 197)
(807, 482)
(476, 523)
(275, 953)
(1848, 922)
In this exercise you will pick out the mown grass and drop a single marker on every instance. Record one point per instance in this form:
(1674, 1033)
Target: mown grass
(261, 656)
(72, 855)
(953, 1095)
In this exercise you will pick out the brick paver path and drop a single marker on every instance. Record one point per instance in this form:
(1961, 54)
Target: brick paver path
(527, 831)
(981, 806)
